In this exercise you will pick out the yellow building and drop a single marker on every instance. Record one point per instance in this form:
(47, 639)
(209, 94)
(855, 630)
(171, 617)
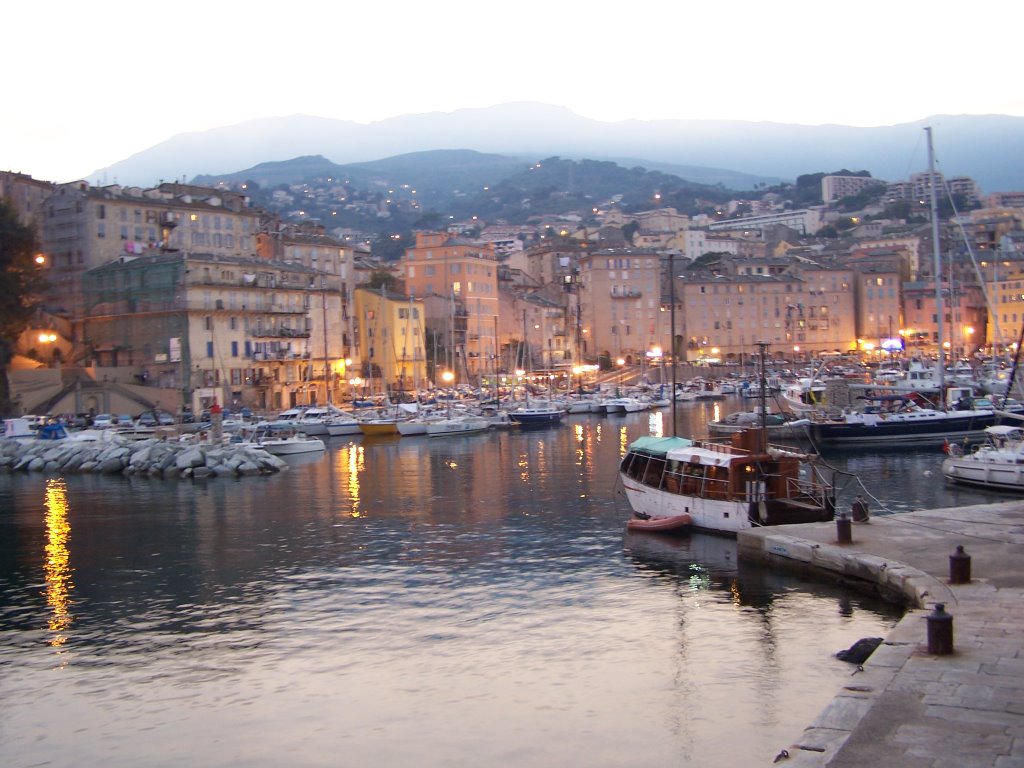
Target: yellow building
(391, 335)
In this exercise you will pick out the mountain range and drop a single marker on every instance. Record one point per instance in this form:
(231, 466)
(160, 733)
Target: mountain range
(736, 154)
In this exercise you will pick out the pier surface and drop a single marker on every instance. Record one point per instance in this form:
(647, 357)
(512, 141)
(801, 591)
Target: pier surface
(907, 707)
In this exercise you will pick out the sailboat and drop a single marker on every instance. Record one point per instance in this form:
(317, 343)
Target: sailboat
(899, 418)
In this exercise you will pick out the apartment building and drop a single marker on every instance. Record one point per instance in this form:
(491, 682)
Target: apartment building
(806, 311)
(84, 227)
(391, 331)
(307, 244)
(804, 221)
(965, 317)
(836, 187)
(466, 273)
(26, 194)
(620, 303)
(229, 329)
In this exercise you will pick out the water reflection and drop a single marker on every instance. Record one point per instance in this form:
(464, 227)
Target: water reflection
(475, 596)
(57, 563)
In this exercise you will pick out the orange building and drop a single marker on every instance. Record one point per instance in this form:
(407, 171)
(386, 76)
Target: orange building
(466, 274)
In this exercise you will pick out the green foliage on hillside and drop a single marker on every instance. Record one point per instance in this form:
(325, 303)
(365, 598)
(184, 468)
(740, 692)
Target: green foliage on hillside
(556, 185)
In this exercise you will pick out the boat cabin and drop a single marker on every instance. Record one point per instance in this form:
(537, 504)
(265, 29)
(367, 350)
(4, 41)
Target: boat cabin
(737, 470)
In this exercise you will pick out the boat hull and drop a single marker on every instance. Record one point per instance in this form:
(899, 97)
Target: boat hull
(884, 433)
(290, 447)
(536, 418)
(379, 428)
(1003, 476)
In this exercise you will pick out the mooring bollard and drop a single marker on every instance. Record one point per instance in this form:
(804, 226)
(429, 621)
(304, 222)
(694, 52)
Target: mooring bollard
(940, 631)
(844, 530)
(959, 566)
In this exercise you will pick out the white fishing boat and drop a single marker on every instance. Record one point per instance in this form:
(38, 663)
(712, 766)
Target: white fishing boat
(625, 405)
(458, 425)
(998, 463)
(290, 445)
(721, 487)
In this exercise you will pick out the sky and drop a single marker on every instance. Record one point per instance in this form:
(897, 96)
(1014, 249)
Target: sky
(89, 84)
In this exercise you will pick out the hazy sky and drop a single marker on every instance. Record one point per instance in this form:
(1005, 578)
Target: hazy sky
(89, 83)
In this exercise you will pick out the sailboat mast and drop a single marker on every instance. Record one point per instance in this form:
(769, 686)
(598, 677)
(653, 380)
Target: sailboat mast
(937, 255)
(672, 339)
(762, 348)
(327, 362)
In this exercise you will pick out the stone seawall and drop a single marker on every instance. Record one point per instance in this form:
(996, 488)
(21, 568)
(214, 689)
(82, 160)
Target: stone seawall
(152, 457)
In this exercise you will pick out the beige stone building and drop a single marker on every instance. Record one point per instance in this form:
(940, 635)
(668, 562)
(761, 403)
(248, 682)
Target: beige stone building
(27, 195)
(235, 330)
(84, 227)
(798, 313)
(620, 303)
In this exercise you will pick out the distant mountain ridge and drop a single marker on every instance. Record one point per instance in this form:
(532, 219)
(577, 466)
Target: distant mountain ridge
(980, 146)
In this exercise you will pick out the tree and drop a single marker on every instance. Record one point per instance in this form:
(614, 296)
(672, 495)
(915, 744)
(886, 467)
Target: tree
(629, 229)
(381, 278)
(20, 283)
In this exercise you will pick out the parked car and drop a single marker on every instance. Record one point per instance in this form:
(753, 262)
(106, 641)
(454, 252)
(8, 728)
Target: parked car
(164, 419)
(147, 419)
(102, 421)
(124, 420)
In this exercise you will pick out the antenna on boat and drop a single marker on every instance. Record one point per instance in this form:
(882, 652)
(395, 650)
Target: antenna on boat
(762, 348)
(672, 341)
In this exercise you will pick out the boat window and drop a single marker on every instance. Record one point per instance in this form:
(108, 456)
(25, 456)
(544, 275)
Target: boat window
(655, 469)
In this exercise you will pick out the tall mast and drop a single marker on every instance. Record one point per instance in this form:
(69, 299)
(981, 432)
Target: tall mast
(762, 348)
(327, 363)
(672, 333)
(937, 255)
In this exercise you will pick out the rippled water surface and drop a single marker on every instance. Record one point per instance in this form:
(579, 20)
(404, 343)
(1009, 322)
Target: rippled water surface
(469, 601)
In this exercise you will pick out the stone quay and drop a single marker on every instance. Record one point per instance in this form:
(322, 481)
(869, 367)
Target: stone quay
(916, 702)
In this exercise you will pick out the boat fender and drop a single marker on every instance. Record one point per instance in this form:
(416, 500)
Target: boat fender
(762, 511)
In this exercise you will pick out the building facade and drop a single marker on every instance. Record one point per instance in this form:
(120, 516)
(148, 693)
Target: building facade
(232, 330)
(467, 273)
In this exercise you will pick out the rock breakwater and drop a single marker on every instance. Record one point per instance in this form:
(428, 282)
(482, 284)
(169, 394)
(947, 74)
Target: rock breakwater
(151, 457)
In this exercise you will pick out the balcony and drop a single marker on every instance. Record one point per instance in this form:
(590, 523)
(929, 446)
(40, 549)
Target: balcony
(280, 333)
(281, 354)
(632, 293)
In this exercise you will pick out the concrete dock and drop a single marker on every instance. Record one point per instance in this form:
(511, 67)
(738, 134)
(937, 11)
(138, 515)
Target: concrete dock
(905, 706)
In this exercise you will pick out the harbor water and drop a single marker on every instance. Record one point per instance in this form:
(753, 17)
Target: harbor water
(463, 601)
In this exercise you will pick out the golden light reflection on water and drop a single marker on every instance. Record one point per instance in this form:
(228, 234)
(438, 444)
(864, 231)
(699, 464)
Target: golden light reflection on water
(57, 566)
(352, 459)
(656, 424)
(580, 439)
(716, 413)
(623, 441)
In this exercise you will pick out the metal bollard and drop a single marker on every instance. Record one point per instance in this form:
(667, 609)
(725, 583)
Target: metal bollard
(959, 566)
(940, 631)
(844, 530)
